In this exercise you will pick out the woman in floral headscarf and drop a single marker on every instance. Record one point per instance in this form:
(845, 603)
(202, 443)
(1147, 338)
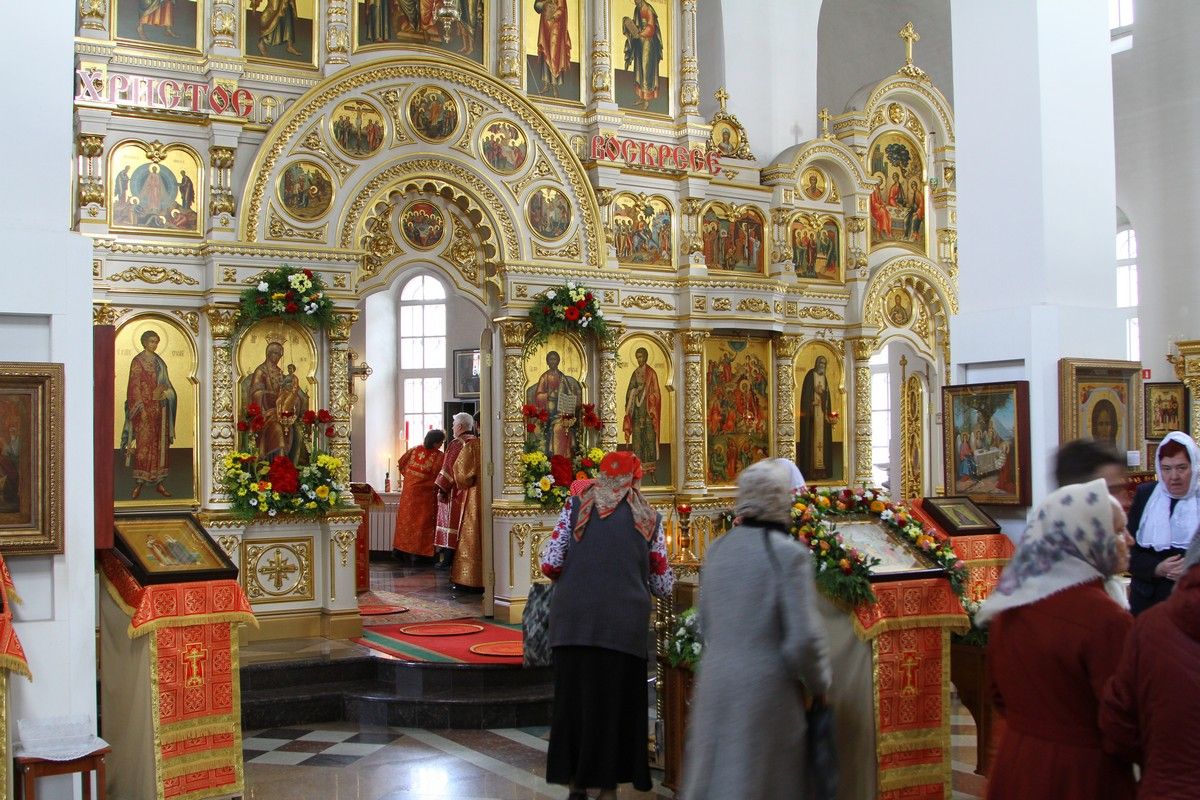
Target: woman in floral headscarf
(607, 555)
(1055, 639)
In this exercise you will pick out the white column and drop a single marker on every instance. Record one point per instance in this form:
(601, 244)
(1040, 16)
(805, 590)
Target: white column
(765, 55)
(1036, 197)
(1157, 100)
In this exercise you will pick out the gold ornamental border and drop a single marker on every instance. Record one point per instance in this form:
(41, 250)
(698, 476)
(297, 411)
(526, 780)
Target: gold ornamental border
(312, 103)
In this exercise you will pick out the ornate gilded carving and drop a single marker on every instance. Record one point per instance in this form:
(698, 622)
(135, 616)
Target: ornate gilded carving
(229, 543)
(278, 570)
(223, 24)
(569, 252)
(91, 145)
(510, 55)
(462, 252)
(722, 304)
(229, 275)
(862, 424)
(608, 392)
(92, 14)
(190, 318)
(221, 320)
(818, 312)
(91, 193)
(220, 201)
(300, 116)
(279, 229)
(343, 321)
(693, 342)
(514, 331)
(646, 302)
(512, 336)
(104, 314)
(700, 303)
(601, 88)
(912, 439)
(755, 304)
(741, 150)
(693, 408)
(154, 275)
(785, 401)
(221, 157)
(344, 541)
(856, 224)
(913, 271)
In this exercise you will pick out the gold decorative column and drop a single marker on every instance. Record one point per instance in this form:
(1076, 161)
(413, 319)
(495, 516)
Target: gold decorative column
(601, 62)
(222, 24)
(510, 44)
(93, 15)
(862, 348)
(912, 434)
(786, 346)
(91, 181)
(337, 32)
(222, 432)
(220, 193)
(606, 403)
(1187, 369)
(689, 85)
(340, 401)
(693, 410)
(512, 338)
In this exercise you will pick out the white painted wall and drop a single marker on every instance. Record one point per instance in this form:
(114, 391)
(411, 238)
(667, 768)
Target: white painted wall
(1156, 88)
(1035, 200)
(49, 319)
(765, 55)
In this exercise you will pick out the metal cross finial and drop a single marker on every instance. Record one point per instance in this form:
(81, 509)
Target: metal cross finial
(722, 97)
(909, 34)
(824, 117)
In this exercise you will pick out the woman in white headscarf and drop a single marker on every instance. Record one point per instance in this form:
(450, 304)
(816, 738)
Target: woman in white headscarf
(1055, 638)
(1163, 518)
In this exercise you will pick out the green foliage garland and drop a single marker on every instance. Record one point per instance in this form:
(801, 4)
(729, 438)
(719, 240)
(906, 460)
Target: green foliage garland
(287, 293)
(569, 308)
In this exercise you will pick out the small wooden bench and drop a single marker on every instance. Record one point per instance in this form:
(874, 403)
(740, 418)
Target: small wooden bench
(29, 769)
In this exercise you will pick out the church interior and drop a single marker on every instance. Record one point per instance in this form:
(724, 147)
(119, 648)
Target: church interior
(347, 298)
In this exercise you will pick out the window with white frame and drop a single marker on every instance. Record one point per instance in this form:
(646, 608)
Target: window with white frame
(1120, 24)
(881, 418)
(1127, 288)
(422, 355)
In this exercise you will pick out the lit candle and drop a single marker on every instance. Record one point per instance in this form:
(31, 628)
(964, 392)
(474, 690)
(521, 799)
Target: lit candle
(684, 509)
(406, 430)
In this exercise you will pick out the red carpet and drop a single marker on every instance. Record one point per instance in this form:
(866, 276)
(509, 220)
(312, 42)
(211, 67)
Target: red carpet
(488, 643)
(380, 610)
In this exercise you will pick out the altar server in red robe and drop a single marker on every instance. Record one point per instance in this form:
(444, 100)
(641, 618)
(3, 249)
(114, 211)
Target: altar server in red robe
(417, 516)
(1055, 638)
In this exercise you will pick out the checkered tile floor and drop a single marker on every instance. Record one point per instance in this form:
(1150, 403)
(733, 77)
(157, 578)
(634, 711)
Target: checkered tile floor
(312, 747)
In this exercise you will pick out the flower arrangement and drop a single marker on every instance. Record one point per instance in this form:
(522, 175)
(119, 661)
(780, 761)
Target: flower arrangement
(311, 485)
(976, 636)
(567, 308)
(279, 486)
(842, 572)
(290, 293)
(547, 479)
(684, 645)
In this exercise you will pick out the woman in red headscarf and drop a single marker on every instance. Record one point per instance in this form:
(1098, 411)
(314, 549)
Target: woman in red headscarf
(607, 555)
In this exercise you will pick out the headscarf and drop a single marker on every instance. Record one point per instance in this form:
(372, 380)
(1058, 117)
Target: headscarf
(1160, 528)
(798, 482)
(619, 479)
(1071, 541)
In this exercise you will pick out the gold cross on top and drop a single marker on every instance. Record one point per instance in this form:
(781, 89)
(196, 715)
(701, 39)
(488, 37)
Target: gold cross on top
(722, 97)
(909, 34)
(824, 116)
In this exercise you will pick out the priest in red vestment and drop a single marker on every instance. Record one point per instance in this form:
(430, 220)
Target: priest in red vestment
(417, 516)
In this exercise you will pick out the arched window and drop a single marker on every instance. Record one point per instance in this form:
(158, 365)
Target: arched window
(1127, 286)
(422, 355)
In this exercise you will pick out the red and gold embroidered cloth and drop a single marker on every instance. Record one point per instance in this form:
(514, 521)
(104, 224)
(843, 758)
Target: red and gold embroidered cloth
(195, 697)
(12, 655)
(162, 604)
(909, 631)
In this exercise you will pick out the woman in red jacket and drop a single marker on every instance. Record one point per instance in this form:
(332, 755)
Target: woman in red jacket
(1055, 638)
(1151, 708)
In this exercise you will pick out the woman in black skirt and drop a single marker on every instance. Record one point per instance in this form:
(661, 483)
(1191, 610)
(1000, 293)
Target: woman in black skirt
(607, 554)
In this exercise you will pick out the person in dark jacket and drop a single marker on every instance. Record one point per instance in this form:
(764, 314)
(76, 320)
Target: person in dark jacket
(1163, 519)
(606, 555)
(1150, 712)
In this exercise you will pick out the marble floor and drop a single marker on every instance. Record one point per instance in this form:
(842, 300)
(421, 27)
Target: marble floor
(345, 761)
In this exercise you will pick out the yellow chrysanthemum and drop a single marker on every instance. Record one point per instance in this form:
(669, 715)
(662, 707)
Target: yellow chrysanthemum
(596, 455)
(545, 483)
(322, 491)
(310, 505)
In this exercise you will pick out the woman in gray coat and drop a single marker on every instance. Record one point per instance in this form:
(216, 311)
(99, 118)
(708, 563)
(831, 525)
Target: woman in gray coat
(762, 640)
